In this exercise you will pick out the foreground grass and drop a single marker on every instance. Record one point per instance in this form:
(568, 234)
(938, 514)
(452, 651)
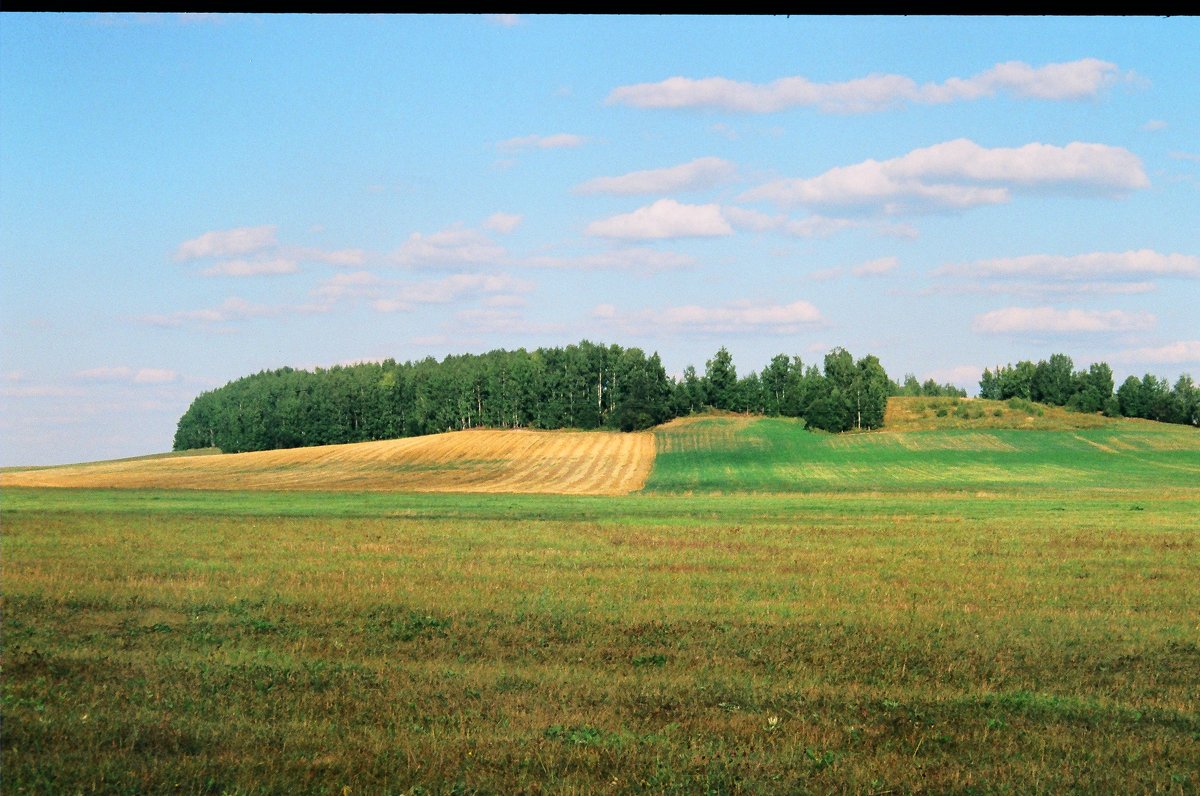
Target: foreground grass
(1031, 640)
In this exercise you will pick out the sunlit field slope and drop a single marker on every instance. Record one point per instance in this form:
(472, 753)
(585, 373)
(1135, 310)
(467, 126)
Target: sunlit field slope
(973, 445)
(563, 462)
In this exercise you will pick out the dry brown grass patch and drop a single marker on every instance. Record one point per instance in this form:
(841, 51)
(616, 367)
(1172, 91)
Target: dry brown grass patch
(563, 462)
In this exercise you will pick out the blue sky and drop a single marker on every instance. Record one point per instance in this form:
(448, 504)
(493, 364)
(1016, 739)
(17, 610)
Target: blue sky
(185, 200)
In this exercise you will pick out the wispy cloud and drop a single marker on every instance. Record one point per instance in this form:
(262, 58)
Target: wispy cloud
(735, 317)
(1054, 320)
(960, 174)
(279, 265)
(123, 373)
(698, 175)
(1154, 126)
(393, 295)
(227, 243)
(962, 375)
(666, 218)
(1177, 353)
(1135, 263)
(556, 141)
(454, 246)
(1072, 80)
(232, 309)
(627, 259)
(504, 20)
(502, 321)
(504, 223)
(879, 267)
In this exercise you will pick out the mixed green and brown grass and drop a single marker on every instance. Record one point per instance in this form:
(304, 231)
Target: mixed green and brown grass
(883, 626)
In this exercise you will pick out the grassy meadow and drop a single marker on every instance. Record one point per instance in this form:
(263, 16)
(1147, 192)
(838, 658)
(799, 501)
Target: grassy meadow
(942, 609)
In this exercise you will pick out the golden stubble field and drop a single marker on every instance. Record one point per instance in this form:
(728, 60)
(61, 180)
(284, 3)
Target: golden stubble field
(515, 461)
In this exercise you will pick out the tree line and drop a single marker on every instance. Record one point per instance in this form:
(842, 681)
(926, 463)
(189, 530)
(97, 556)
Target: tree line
(1055, 381)
(583, 386)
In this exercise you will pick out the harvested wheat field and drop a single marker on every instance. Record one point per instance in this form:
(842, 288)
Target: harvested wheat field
(520, 461)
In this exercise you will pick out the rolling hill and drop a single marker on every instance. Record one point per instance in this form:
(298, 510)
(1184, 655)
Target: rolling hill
(927, 443)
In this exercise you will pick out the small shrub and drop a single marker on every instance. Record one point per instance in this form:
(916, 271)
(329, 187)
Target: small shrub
(942, 411)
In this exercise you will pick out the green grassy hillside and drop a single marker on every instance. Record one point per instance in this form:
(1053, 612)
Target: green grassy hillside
(744, 454)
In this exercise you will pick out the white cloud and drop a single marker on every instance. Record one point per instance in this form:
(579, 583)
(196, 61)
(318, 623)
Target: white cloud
(227, 243)
(666, 218)
(347, 285)
(346, 257)
(503, 20)
(1064, 81)
(1184, 156)
(556, 141)
(824, 274)
(1134, 263)
(459, 286)
(154, 376)
(735, 317)
(1047, 289)
(393, 295)
(1154, 126)
(698, 175)
(503, 223)
(454, 246)
(106, 374)
(1178, 353)
(279, 265)
(506, 300)
(1051, 319)
(232, 309)
(962, 375)
(632, 259)
(879, 267)
(123, 373)
(961, 174)
(499, 321)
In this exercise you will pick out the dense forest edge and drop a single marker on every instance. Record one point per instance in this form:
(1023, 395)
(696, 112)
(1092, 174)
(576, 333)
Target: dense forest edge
(596, 386)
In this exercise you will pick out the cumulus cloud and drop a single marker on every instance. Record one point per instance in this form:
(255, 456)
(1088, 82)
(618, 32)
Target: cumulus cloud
(1051, 319)
(227, 243)
(666, 218)
(698, 175)
(279, 265)
(960, 174)
(503, 223)
(627, 259)
(1072, 80)
(1134, 263)
(879, 267)
(448, 247)
(556, 141)
(1177, 353)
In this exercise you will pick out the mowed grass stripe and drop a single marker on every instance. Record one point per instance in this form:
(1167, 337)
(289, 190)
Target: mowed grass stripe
(777, 455)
